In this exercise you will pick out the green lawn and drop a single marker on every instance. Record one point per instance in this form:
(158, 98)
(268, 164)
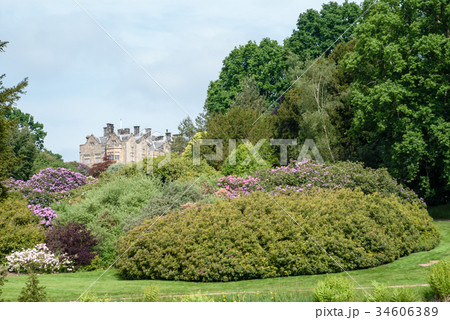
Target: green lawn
(68, 287)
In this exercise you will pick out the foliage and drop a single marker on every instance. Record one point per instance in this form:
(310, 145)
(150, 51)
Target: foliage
(100, 167)
(187, 131)
(47, 159)
(116, 167)
(265, 63)
(46, 213)
(439, 280)
(334, 289)
(151, 294)
(233, 186)
(252, 237)
(242, 162)
(32, 292)
(38, 259)
(26, 121)
(49, 185)
(317, 31)
(25, 150)
(314, 108)
(8, 98)
(179, 144)
(174, 195)
(74, 240)
(106, 209)
(401, 118)
(18, 227)
(2, 281)
(306, 175)
(178, 168)
(237, 124)
(187, 128)
(381, 293)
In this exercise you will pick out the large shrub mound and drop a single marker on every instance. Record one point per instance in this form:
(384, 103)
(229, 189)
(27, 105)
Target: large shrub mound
(19, 228)
(107, 208)
(252, 237)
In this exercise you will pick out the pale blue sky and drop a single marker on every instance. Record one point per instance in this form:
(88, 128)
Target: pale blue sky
(79, 79)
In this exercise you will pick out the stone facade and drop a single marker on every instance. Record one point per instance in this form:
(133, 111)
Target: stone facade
(124, 146)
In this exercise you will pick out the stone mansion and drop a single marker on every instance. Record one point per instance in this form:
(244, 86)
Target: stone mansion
(124, 146)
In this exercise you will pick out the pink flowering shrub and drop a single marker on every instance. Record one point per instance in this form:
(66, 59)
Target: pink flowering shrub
(38, 259)
(307, 175)
(46, 214)
(236, 186)
(48, 186)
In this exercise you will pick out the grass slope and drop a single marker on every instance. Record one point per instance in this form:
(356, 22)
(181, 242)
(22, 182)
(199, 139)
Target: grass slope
(69, 286)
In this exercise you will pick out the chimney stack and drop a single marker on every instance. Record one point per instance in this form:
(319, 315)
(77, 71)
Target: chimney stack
(148, 132)
(110, 128)
(105, 131)
(136, 130)
(168, 135)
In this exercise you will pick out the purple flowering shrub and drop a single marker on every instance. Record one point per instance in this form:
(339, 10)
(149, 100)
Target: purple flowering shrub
(236, 186)
(38, 259)
(48, 186)
(308, 175)
(46, 214)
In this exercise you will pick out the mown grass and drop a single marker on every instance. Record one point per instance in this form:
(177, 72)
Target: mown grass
(69, 286)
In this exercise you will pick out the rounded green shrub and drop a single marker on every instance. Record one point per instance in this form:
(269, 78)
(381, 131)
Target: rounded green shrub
(177, 168)
(252, 237)
(19, 228)
(116, 167)
(174, 194)
(107, 209)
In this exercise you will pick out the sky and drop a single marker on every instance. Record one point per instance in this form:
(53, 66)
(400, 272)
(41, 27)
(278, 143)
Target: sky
(149, 62)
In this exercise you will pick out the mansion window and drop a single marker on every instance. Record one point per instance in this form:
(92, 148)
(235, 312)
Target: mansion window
(87, 159)
(98, 158)
(116, 156)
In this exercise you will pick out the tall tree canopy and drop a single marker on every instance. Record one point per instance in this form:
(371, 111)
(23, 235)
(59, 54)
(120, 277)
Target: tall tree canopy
(26, 120)
(8, 97)
(317, 31)
(401, 66)
(265, 63)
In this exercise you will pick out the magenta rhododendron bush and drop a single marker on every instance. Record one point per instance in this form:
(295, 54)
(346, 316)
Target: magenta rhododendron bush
(307, 175)
(46, 187)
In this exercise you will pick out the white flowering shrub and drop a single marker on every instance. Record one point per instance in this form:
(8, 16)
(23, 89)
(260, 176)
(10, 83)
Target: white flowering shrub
(38, 259)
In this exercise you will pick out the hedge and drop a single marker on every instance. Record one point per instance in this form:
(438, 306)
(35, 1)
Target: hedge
(252, 237)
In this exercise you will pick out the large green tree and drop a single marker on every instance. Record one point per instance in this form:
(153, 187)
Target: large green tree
(26, 120)
(317, 31)
(401, 66)
(8, 97)
(244, 120)
(312, 109)
(265, 63)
